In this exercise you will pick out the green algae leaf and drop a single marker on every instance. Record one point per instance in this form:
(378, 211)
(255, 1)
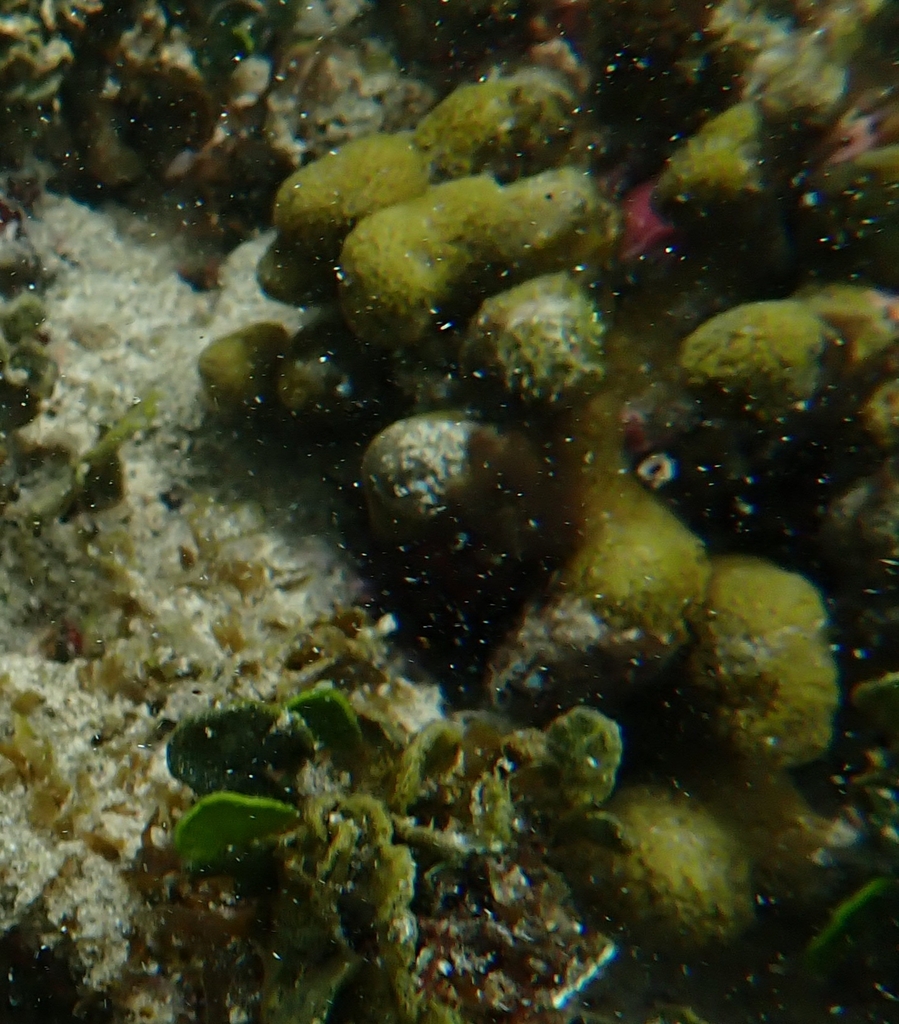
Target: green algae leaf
(586, 746)
(329, 716)
(225, 821)
(245, 748)
(827, 946)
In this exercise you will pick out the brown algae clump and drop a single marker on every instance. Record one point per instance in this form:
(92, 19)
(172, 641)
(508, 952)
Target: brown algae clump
(763, 356)
(764, 654)
(368, 841)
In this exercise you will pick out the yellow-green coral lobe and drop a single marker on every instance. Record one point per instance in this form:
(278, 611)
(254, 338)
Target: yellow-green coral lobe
(321, 202)
(766, 356)
(407, 267)
(508, 126)
(720, 163)
(238, 369)
(677, 877)
(764, 653)
(318, 205)
(638, 565)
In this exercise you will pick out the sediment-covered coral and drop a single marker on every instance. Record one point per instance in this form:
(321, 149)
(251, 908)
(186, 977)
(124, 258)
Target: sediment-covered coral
(542, 340)
(436, 476)
(615, 613)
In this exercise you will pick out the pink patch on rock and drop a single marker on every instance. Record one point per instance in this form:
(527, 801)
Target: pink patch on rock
(645, 231)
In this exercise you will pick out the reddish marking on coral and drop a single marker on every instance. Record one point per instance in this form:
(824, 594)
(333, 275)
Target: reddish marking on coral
(645, 231)
(854, 135)
(634, 425)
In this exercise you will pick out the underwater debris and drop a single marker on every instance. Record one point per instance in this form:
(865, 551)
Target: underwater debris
(847, 917)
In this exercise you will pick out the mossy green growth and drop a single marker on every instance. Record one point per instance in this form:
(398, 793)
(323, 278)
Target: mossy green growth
(765, 357)
(638, 566)
(587, 748)
(21, 317)
(373, 853)
(541, 339)
(223, 823)
(719, 164)
(238, 369)
(414, 265)
(763, 652)
(344, 877)
(508, 126)
(454, 767)
(27, 377)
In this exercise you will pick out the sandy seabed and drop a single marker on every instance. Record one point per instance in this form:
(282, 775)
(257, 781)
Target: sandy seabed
(87, 771)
